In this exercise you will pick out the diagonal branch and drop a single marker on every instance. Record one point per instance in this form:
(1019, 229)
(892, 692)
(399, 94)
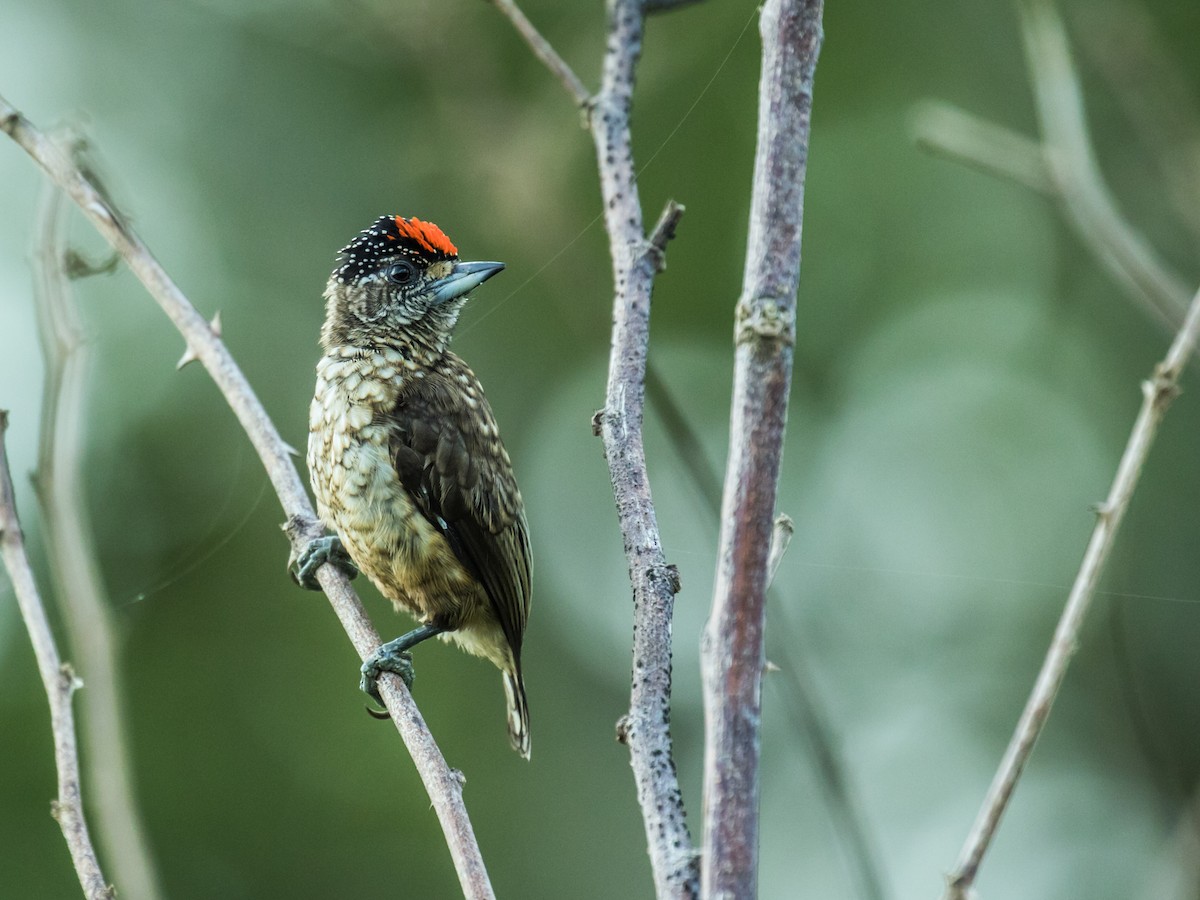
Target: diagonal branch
(765, 331)
(1157, 393)
(60, 683)
(77, 580)
(442, 784)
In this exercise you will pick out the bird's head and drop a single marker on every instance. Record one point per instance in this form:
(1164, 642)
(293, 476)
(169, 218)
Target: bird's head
(400, 279)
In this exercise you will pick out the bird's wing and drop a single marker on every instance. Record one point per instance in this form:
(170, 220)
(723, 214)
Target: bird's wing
(448, 456)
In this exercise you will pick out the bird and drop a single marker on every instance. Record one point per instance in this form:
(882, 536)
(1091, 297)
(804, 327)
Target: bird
(406, 461)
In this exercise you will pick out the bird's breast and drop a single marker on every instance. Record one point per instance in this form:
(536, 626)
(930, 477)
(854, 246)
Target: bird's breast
(359, 493)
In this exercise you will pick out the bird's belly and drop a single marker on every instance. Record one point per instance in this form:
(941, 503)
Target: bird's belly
(386, 536)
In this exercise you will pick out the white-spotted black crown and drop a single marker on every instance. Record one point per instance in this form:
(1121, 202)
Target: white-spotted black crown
(387, 238)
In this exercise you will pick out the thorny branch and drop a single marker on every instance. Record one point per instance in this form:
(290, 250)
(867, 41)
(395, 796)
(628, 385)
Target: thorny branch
(60, 683)
(732, 645)
(60, 492)
(636, 259)
(443, 785)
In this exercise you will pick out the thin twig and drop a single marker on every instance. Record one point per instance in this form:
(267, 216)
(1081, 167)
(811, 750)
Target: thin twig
(78, 582)
(60, 683)
(545, 52)
(1158, 392)
(442, 784)
(646, 729)
(732, 645)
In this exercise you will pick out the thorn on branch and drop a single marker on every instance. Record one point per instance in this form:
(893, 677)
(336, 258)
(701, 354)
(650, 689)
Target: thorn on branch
(781, 536)
(68, 681)
(190, 355)
(623, 729)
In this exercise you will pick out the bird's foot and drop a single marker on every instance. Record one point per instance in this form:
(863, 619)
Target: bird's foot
(323, 550)
(393, 657)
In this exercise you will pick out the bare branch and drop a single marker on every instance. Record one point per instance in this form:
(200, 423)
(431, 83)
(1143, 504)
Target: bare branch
(1158, 392)
(77, 579)
(732, 646)
(442, 784)
(547, 54)
(60, 683)
(635, 261)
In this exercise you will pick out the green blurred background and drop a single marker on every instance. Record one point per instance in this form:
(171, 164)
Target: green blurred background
(965, 378)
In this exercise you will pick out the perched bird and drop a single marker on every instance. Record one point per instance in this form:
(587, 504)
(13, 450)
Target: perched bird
(406, 460)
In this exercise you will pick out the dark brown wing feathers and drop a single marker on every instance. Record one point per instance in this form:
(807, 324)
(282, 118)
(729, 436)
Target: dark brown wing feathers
(449, 458)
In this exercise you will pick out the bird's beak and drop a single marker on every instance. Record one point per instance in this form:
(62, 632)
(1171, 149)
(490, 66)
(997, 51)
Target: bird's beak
(465, 276)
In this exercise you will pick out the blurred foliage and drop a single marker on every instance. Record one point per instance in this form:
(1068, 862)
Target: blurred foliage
(965, 379)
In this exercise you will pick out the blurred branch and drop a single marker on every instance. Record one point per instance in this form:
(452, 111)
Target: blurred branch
(72, 555)
(1134, 60)
(1157, 392)
(684, 439)
(1070, 165)
(60, 683)
(443, 785)
(948, 131)
(636, 259)
(654, 6)
(765, 332)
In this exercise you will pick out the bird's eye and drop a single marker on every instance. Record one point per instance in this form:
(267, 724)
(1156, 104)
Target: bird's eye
(401, 273)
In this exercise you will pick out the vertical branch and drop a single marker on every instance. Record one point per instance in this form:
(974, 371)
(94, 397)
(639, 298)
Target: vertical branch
(1157, 393)
(765, 334)
(60, 683)
(646, 730)
(73, 560)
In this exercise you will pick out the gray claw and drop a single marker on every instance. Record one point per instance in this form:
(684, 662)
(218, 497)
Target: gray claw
(323, 550)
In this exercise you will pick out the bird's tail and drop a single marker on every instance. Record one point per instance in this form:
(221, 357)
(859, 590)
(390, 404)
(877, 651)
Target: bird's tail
(518, 710)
